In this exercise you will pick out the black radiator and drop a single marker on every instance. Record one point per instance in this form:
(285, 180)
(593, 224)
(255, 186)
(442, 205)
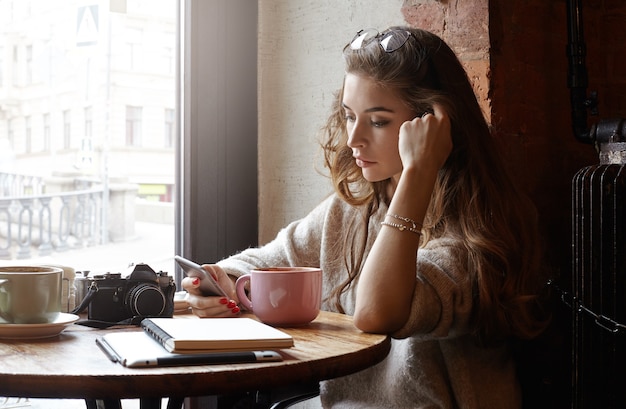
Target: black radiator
(599, 282)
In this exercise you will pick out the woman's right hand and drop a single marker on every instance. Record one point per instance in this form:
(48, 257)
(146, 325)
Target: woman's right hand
(212, 306)
(426, 140)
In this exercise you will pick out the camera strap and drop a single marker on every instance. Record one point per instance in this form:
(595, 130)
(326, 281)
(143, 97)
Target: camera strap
(93, 289)
(105, 324)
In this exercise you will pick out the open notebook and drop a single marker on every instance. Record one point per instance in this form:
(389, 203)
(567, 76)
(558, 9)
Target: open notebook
(207, 334)
(138, 349)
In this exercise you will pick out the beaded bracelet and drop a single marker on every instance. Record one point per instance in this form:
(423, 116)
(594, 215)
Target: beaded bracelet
(414, 224)
(402, 227)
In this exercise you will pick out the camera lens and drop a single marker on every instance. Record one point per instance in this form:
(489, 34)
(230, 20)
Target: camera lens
(146, 300)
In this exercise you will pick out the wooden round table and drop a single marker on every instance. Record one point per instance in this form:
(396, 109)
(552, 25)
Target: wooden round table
(70, 365)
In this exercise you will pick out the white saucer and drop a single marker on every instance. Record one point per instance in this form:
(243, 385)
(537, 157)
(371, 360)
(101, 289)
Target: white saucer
(34, 331)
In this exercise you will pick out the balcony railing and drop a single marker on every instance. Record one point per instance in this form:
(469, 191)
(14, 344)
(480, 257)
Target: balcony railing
(35, 223)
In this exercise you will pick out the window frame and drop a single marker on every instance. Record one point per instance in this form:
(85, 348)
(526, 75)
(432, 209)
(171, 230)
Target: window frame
(216, 169)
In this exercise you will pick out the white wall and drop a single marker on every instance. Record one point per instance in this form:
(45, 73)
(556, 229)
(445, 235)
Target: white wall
(300, 68)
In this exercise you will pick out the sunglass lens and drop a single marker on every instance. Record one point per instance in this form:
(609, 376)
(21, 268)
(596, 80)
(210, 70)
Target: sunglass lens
(393, 40)
(362, 38)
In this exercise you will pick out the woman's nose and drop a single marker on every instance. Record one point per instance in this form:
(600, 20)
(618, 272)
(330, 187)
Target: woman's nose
(356, 136)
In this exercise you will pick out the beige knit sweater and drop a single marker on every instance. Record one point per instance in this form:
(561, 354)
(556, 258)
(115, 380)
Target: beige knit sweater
(433, 362)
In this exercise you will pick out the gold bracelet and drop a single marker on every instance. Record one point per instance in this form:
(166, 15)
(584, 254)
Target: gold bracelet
(414, 224)
(402, 227)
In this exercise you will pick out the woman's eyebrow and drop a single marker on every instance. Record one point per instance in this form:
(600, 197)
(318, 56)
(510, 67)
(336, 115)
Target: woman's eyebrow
(372, 109)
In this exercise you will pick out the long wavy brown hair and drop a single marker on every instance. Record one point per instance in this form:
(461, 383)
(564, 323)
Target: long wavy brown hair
(474, 199)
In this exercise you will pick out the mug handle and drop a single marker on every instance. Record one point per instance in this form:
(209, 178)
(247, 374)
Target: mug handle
(241, 291)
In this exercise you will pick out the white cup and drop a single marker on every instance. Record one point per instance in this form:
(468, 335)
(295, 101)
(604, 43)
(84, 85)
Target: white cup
(30, 294)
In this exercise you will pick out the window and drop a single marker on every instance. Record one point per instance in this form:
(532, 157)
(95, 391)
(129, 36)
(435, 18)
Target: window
(2, 67)
(117, 202)
(46, 132)
(67, 126)
(133, 126)
(168, 63)
(15, 68)
(88, 123)
(10, 133)
(133, 47)
(78, 90)
(28, 136)
(29, 64)
(170, 128)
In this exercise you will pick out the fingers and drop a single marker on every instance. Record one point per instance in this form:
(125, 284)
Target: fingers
(438, 112)
(204, 307)
(191, 285)
(224, 280)
(212, 306)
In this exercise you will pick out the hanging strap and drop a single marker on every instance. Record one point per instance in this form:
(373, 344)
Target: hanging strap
(91, 292)
(136, 320)
(604, 322)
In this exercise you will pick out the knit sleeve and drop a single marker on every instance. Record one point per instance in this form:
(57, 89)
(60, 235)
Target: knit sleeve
(298, 244)
(442, 301)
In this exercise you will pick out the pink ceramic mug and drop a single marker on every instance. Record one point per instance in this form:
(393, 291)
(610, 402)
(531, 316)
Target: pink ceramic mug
(282, 296)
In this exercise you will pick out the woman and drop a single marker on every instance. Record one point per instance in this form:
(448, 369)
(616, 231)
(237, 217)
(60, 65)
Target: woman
(425, 238)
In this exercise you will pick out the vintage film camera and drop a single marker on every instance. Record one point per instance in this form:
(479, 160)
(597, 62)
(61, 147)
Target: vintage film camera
(143, 293)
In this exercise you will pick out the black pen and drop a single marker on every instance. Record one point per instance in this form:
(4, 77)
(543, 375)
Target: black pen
(204, 359)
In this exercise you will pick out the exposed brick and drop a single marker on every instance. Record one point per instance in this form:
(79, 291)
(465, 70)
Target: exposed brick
(428, 15)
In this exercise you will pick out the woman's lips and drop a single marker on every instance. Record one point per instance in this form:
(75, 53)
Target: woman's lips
(362, 163)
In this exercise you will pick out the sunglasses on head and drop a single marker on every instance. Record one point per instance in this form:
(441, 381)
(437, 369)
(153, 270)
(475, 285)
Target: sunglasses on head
(389, 40)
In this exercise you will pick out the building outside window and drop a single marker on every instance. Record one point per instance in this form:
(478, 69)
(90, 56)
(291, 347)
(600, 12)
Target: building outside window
(46, 132)
(81, 86)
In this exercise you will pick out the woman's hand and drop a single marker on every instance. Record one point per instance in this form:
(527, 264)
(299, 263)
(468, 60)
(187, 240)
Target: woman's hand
(212, 306)
(426, 140)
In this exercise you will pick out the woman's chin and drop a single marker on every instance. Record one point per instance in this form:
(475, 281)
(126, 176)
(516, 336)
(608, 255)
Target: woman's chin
(372, 178)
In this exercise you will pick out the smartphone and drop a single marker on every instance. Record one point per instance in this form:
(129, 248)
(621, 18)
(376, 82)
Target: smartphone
(208, 285)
